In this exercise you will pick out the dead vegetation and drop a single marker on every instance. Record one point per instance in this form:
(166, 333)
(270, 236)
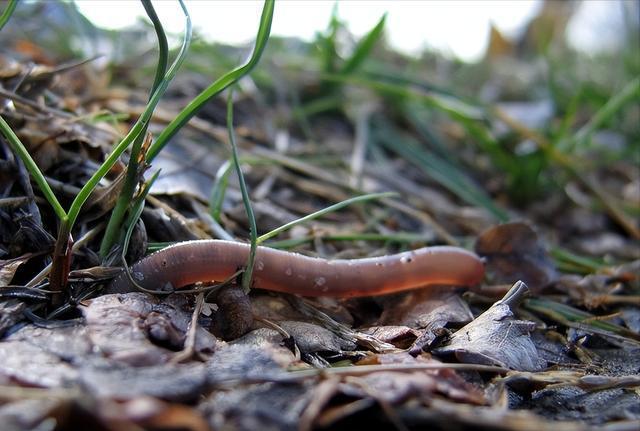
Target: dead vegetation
(530, 158)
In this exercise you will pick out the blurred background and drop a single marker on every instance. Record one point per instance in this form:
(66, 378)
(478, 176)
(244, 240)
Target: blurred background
(457, 29)
(477, 111)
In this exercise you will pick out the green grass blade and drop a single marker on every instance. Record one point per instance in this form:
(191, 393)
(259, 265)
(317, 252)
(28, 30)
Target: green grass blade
(163, 46)
(577, 263)
(136, 212)
(218, 190)
(394, 238)
(629, 93)
(8, 11)
(364, 47)
(456, 108)
(128, 189)
(86, 191)
(573, 317)
(248, 273)
(17, 146)
(221, 183)
(440, 171)
(332, 208)
(219, 85)
(327, 43)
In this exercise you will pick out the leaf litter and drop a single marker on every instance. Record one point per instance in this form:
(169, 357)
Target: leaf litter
(548, 341)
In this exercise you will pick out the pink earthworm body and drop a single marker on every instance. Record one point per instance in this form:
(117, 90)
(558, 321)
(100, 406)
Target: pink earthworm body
(189, 262)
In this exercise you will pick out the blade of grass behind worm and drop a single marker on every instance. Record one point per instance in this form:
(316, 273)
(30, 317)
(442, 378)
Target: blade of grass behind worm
(136, 212)
(124, 199)
(332, 208)
(221, 182)
(248, 273)
(439, 170)
(218, 190)
(139, 125)
(219, 85)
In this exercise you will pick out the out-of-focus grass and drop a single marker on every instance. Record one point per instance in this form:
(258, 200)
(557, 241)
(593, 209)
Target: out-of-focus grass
(443, 116)
(592, 123)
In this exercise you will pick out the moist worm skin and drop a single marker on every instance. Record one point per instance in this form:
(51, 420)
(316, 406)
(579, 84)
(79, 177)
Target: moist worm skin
(188, 262)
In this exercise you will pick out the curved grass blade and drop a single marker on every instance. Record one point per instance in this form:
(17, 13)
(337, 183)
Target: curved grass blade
(139, 125)
(248, 273)
(455, 107)
(364, 47)
(574, 318)
(128, 189)
(629, 93)
(218, 190)
(332, 208)
(17, 146)
(440, 171)
(219, 85)
(221, 183)
(136, 212)
(8, 11)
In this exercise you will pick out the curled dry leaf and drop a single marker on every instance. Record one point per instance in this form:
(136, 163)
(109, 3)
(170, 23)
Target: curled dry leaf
(29, 365)
(514, 252)
(44, 357)
(395, 387)
(400, 336)
(497, 338)
(312, 338)
(257, 356)
(135, 328)
(8, 269)
(114, 323)
(263, 406)
(429, 310)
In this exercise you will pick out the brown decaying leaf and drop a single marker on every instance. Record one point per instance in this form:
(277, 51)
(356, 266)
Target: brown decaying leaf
(114, 325)
(8, 269)
(497, 338)
(400, 336)
(428, 310)
(514, 252)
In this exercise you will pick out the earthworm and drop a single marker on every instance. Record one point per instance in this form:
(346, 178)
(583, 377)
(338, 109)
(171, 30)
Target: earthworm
(188, 262)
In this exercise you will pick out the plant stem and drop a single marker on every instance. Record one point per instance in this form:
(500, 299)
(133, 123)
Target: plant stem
(248, 273)
(133, 171)
(20, 150)
(8, 11)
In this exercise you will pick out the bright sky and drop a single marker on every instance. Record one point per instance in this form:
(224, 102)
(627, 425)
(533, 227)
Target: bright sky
(456, 27)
